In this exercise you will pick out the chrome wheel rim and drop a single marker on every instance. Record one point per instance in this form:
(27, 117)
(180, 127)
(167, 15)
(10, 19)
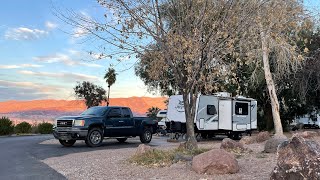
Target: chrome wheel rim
(95, 137)
(147, 135)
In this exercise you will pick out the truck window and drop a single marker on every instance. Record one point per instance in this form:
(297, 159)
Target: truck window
(126, 112)
(211, 110)
(115, 113)
(241, 108)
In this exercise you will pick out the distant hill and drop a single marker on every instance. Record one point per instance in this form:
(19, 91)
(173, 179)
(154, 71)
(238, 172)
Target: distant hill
(47, 110)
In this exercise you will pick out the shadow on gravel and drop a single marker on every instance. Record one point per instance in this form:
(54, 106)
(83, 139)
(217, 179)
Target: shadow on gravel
(43, 151)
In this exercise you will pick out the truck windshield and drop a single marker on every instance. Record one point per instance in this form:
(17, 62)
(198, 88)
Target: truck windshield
(95, 111)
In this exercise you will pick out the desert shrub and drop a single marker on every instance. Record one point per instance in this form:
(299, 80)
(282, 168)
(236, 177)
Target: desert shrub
(6, 126)
(45, 128)
(23, 127)
(34, 129)
(161, 158)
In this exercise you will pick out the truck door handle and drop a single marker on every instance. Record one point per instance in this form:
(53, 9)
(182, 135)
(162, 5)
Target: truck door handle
(121, 121)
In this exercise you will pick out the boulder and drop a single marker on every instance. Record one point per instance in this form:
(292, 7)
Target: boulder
(229, 144)
(307, 134)
(248, 140)
(215, 161)
(297, 159)
(263, 136)
(142, 148)
(272, 144)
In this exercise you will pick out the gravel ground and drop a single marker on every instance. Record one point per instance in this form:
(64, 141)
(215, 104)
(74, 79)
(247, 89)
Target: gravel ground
(112, 164)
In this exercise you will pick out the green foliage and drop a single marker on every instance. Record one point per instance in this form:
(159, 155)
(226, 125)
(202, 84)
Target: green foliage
(161, 158)
(152, 112)
(91, 93)
(6, 126)
(110, 76)
(23, 127)
(45, 128)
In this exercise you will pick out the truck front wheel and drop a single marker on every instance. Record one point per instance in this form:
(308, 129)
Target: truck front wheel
(67, 143)
(146, 136)
(94, 137)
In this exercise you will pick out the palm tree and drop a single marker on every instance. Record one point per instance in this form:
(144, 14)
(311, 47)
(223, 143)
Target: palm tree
(110, 78)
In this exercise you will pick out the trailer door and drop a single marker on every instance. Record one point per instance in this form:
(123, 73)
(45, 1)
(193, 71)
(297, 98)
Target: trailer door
(225, 114)
(241, 117)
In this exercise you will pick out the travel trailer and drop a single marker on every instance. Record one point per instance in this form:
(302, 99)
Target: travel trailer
(306, 121)
(215, 114)
(163, 115)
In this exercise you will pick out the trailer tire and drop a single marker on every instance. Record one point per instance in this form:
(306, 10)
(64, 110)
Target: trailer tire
(146, 136)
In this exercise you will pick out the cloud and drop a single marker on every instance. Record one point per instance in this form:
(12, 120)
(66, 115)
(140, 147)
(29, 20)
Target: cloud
(20, 66)
(79, 32)
(64, 59)
(29, 85)
(69, 77)
(51, 25)
(23, 33)
(11, 90)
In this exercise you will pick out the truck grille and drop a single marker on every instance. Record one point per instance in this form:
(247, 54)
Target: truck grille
(64, 123)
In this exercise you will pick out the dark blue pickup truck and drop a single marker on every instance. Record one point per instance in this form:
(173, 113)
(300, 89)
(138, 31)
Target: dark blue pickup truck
(103, 121)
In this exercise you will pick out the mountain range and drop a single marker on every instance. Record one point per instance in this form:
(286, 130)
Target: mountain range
(49, 109)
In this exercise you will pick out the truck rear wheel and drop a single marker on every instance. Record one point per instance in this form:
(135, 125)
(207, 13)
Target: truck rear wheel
(146, 136)
(94, 137)
(122, 140)
(67, 143)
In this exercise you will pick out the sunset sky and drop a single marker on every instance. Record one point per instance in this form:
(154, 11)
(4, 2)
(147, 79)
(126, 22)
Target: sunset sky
(41, 57)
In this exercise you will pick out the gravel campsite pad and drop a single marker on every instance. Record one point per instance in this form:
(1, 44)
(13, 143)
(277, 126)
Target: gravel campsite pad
(111, 163)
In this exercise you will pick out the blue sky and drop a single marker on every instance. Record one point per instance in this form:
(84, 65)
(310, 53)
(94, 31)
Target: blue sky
(41, 57)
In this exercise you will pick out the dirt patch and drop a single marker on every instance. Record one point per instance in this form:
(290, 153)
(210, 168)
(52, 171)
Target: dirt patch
(113, 164)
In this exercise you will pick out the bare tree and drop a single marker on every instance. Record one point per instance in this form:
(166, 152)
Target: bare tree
(195, 39)
(272, 45)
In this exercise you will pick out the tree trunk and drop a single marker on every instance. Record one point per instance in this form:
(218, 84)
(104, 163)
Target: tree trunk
(189, 107)
(270, 85)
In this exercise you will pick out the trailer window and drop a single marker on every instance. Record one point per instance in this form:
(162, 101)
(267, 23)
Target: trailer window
(241, 108)
(211, 110)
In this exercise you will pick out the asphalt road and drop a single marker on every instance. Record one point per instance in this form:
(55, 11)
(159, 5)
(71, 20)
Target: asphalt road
(20, 157)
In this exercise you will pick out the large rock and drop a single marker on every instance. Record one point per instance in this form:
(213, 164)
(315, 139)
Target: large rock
(272, 144)
(307, 134)
(215, 161)
(229, 144)
(142, 148)
(248, 140)
(297, 159)
(263, 136)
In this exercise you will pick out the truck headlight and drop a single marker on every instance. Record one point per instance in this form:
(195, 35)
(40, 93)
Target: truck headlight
(79, 122)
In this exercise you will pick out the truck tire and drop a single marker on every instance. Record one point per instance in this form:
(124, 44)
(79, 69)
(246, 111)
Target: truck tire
(122, 140)
(146, 136)
(67, 143)
(94, 137)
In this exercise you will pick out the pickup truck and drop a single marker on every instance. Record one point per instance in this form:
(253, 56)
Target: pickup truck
(103, 121)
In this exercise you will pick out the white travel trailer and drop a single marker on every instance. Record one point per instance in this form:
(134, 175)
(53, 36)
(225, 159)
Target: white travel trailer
(306, 121)
(163, 115)
(215, 114)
